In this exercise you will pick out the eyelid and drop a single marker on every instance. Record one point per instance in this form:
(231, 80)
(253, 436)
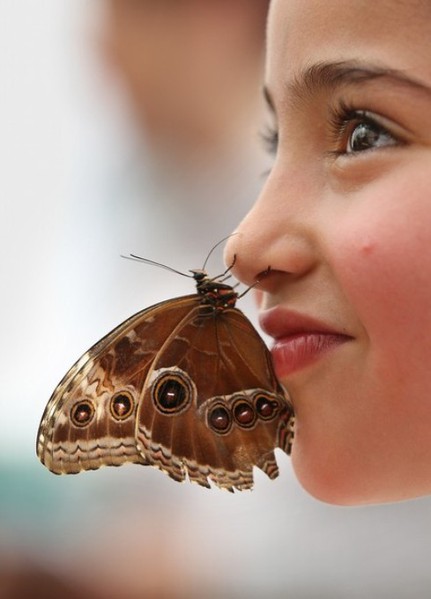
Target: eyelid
(341, 117)
(342, 120)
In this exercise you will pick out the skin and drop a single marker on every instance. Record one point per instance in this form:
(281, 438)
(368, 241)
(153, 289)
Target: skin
(344, 221)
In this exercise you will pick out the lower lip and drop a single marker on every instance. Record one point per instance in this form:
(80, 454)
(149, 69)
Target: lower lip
(295, 352)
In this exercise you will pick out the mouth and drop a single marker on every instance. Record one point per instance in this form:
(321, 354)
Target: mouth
(299, 340)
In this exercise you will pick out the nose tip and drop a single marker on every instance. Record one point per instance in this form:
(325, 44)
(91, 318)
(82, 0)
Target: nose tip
(230, 251)
(245, 263)
(254, 258)
(234, 258)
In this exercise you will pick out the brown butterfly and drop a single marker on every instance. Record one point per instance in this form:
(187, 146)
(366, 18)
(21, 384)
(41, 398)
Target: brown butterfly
(186, 385)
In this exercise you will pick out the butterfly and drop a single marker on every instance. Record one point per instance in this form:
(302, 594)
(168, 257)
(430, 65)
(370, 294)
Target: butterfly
(186, 385)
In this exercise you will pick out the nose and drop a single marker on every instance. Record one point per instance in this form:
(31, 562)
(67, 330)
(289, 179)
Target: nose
(277, 234)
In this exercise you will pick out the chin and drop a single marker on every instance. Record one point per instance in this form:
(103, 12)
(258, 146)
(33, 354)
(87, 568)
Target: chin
(334, 479)
(321, 480)
(322, 467)
(337, 480)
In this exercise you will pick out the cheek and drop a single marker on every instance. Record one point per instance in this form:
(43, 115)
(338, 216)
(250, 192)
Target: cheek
(384, 271)
(369, 432)
(380, 254)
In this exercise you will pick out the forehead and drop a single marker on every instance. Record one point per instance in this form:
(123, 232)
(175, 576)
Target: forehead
(396, 32)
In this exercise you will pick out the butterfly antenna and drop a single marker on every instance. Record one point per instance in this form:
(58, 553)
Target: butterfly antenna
(264, 274)
(154, 263)
(216, 246)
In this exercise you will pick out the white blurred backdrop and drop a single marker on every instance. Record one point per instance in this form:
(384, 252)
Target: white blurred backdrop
(131, 126)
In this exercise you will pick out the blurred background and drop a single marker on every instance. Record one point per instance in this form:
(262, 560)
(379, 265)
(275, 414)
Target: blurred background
(133, 126)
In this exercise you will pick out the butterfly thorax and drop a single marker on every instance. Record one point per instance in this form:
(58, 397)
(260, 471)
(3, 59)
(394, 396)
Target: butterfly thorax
(216, 294)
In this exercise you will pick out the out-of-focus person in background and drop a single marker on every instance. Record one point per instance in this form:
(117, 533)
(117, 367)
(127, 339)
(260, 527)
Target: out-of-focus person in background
(163, 159)
(192, 71)
(187, 77)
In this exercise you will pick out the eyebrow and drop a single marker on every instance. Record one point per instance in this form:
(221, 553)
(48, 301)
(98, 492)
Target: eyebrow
(330, 75)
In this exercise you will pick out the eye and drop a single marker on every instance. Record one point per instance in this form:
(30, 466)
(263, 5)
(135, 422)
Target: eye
(357, 131)
(367, 135)
(269, 137)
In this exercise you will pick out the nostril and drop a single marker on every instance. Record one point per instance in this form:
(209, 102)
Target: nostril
(257, 282)
(239, 268)
(263, 274)
(270, 279)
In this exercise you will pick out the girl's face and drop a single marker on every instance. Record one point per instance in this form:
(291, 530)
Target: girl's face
(344, 222)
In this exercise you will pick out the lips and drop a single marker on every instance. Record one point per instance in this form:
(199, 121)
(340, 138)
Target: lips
(299, 340)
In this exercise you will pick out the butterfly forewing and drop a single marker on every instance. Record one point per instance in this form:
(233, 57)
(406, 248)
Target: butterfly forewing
(90, 419)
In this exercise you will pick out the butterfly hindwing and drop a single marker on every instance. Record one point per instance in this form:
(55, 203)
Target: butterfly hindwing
(212, 407)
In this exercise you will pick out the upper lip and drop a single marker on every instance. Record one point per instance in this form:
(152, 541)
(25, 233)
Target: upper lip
(280, 322)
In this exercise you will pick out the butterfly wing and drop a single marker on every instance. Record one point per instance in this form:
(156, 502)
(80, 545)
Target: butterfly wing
(212, 407)
(182, 386)
(90, 418)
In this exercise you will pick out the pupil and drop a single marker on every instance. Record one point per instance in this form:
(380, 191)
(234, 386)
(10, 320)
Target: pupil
(368, 135)
(363, 137)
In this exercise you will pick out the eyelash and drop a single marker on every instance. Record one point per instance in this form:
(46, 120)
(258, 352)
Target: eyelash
(269, 138)
(345, 120)
(342, 122)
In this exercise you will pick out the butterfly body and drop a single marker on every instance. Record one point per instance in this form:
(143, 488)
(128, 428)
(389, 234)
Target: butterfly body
(186, 385)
